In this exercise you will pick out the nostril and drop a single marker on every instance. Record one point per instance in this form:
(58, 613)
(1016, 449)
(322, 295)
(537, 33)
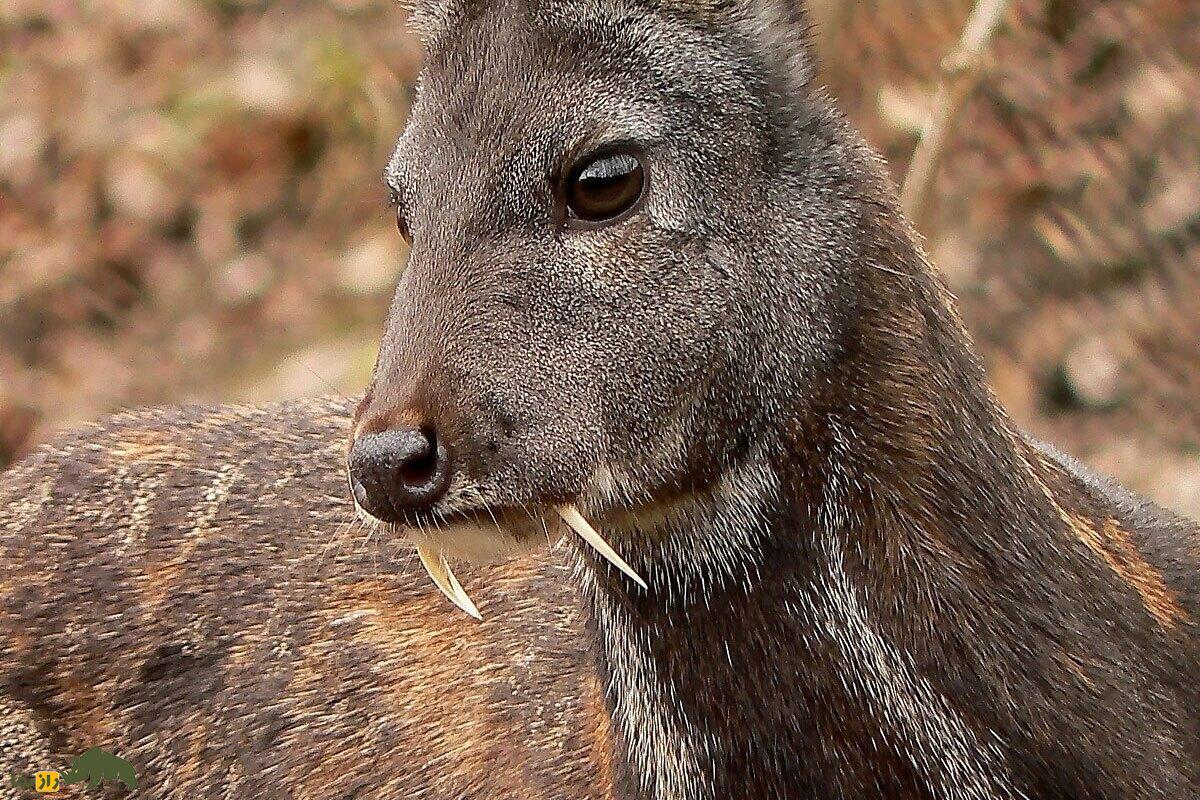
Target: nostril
(399, 470)
(421, 467)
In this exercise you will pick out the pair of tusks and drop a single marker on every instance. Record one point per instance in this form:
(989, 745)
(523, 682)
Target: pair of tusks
(434, 560)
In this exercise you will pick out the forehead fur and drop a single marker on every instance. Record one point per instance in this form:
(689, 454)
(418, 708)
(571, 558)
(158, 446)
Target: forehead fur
(777, 29)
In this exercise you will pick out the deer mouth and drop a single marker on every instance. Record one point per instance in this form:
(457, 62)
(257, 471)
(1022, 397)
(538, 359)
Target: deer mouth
(486, 533)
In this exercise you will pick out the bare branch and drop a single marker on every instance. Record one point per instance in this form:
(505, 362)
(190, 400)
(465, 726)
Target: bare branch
(961, 70)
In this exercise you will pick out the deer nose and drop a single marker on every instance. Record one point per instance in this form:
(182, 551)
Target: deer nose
(398, 472)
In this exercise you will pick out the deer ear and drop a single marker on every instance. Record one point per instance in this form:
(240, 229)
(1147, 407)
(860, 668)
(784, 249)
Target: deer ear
(786, 30)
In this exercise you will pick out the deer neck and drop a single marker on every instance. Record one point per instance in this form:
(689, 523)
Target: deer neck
(782, 648)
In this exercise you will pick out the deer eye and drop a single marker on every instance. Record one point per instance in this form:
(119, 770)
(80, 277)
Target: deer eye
(605, 186)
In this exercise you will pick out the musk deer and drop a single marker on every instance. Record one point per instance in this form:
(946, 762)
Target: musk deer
(659, 295)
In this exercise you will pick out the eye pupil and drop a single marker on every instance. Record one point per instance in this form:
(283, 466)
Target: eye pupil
(605, 187)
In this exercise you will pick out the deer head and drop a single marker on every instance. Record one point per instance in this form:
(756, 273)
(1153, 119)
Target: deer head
(635, 231)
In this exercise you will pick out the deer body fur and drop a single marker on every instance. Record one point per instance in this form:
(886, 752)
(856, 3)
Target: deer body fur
(233, 631)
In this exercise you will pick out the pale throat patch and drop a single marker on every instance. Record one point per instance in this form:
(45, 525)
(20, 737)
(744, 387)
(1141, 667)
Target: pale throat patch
(665, 752)
(709, 542)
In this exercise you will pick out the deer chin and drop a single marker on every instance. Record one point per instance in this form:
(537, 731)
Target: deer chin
(471, 543)
(483, 537)
(479, 536)
(481, 541)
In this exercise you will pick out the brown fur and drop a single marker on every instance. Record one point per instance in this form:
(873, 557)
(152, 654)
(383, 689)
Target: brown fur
(247, 638)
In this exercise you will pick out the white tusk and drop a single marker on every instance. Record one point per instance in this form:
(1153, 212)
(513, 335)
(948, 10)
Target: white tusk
(570, 515)
(438, 568)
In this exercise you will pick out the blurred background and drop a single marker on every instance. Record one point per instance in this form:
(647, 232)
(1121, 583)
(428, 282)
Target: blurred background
(191, 205)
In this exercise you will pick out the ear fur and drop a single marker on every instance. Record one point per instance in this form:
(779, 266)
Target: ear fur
(781, 27)
(784, 28)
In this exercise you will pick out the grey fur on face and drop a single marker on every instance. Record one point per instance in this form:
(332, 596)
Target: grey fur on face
(651, 351)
